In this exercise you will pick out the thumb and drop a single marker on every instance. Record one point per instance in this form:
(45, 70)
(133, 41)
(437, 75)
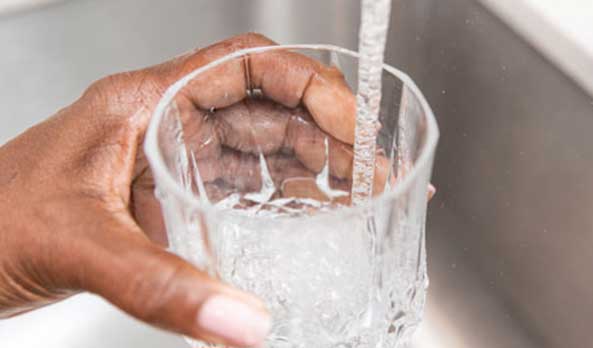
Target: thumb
(162, 289)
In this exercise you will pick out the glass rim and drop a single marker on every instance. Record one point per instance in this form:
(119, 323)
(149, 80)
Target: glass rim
(165, 178)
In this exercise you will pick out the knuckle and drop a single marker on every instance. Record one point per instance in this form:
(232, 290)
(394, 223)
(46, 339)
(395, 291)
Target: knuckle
(121, 96)
(103, 85)
(251, 39)
(109, 86)
(100, 93)
(256, 37)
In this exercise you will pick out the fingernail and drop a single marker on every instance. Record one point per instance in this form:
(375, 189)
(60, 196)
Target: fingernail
(431, 191)
(233, 321)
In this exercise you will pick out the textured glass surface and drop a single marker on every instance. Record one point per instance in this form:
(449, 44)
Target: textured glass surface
(332, 275)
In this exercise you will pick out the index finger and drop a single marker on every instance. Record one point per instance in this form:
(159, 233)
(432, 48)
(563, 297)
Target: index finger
(286, 77)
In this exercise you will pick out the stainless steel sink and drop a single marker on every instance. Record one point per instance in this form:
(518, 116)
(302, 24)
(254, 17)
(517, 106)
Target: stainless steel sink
(510, 229)
(514, 168)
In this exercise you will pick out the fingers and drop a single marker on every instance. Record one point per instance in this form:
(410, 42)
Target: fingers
(286, 77)
(262, 126)
(235, 171)
(242, 171)
(431, 191)
(221, 86)
(161, 289)
(289, 78)
(309, 188)
(253, 126)
(313, 147)
(332, 104)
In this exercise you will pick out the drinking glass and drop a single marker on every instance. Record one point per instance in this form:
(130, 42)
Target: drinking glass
(331, 274)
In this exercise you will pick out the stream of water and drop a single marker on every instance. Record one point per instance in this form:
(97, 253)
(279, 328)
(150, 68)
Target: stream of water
(372, 38)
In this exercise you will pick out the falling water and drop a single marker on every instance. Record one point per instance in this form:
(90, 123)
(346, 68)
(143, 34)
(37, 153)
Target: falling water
(372, 38)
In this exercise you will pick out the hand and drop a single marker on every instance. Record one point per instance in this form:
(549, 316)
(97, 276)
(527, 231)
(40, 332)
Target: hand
(76, 194)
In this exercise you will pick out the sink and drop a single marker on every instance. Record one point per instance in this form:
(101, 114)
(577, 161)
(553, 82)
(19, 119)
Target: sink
(510, 230)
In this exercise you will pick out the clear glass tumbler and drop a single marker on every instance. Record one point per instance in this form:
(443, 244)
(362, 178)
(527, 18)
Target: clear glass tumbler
(252, 214)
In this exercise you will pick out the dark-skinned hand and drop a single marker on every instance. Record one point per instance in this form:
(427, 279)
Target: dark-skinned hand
(77, 204)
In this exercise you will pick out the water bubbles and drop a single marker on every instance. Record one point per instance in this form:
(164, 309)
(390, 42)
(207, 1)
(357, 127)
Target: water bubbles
(373, 35)
(342, 345)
